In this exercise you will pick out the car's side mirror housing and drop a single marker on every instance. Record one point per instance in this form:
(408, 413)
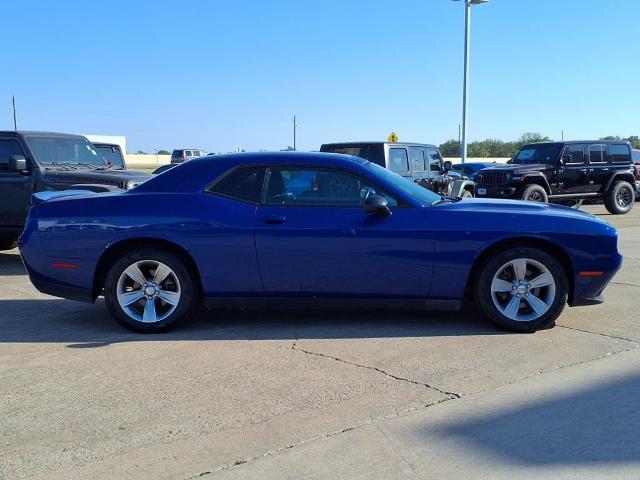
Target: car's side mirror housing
(447, 165)
(17, 163)
(378, 205)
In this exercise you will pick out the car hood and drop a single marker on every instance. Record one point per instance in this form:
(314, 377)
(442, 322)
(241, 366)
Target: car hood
(518, 206)
(517, 168)
(118, 178)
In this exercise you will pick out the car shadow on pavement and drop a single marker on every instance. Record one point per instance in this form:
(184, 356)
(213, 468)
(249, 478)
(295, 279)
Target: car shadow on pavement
(595, 425)
(85, 325)
(11, 264)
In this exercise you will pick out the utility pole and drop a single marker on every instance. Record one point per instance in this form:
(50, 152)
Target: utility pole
(459, 140)
(295, 125)
(563, 135)
(15, 121)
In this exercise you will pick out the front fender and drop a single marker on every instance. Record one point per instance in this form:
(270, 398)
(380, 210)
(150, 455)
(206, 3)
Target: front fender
(460, 185)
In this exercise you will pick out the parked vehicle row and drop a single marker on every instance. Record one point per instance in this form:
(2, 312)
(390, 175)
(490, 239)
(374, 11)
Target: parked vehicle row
(308, 228)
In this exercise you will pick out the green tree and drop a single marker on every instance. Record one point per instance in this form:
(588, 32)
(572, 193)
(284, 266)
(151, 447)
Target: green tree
(610, 137)
(164, 152)
(450, 148)
(634, 140)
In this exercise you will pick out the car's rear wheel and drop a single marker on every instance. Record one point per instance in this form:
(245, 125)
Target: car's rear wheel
(150, 290)
(8, 243)
(522, 289)
(534, 193)
(619, 198)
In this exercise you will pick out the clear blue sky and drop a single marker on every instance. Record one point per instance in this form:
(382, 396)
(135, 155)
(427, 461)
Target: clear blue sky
(217, 74)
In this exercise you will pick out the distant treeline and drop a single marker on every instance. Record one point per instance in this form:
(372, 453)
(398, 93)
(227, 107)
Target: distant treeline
(498, 148)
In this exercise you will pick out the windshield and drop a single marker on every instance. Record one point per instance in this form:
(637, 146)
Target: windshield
(541, 153)
(372, 152)
(57, 150)
(111, 154)
(424, 196)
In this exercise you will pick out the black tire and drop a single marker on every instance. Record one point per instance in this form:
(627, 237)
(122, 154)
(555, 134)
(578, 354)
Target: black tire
(619, 198)
(180, 284)
(8, 243)
(466, 194)
(554, 297)
(534, 193)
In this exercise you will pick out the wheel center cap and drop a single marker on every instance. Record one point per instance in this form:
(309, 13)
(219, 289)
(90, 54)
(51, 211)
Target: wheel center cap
(521, 288)
(150, 291)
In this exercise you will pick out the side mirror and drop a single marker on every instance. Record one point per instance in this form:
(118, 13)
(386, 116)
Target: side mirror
(17, 163)
(447, 165)
(378, 205)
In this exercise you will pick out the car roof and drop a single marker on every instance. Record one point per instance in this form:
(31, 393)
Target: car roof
(569, 142)
(398, 144)
(195, 174)
(29, 133)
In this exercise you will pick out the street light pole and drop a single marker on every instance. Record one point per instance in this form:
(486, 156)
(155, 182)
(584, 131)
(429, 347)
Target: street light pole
(465, 87)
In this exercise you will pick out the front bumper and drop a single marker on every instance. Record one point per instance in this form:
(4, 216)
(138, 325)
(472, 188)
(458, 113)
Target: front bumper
(495, 191)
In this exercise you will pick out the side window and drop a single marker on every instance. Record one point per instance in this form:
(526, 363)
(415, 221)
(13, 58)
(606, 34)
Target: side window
(417, 159)
(398, 161)
(242, 184)
(597, 154)
(435, 160)
(318, 187)
(619, 153)
(8, 148)
(576, 152)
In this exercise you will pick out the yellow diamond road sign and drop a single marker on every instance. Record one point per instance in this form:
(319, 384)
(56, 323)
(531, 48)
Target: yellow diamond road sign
(392, 137)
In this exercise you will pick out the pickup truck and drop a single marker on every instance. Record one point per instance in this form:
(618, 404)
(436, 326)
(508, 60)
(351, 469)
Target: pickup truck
(40, 161)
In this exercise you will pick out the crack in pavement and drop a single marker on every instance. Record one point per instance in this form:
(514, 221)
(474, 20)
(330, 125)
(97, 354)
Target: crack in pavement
(371, 421)
(394, 448)
(376, 420)
(599, 334)
(625, 284)
(376, 369)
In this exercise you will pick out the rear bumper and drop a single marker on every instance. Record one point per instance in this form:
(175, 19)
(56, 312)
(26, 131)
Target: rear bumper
(495, 191)
(584, 302)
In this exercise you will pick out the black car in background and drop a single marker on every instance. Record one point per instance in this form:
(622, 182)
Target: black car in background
(567, 173)
(38, 161)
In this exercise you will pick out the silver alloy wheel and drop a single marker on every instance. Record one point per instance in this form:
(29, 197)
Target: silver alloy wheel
(148, 291)
(523, 289)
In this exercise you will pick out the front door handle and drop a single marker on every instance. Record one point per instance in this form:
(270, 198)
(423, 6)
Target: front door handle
(274, 219)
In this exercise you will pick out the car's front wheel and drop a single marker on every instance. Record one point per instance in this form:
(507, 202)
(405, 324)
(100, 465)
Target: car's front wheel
(466, 194)
(534, 193)
(150, 290)
(619, 199)
(522, 289)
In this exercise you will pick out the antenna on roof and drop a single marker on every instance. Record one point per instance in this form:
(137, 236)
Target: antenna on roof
(15, 121)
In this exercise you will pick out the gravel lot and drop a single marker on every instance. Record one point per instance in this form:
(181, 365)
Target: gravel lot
(320, 395)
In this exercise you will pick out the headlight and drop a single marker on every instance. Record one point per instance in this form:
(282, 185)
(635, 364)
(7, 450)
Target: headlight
(133, 184)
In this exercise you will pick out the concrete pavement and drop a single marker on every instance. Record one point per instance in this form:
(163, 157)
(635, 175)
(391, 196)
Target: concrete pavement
(319, 395)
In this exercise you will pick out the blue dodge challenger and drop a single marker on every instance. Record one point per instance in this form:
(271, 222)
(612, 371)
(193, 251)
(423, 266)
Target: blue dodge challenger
(300, 228)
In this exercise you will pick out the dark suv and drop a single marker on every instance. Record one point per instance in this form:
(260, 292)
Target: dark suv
(567, 173)
(36, 161)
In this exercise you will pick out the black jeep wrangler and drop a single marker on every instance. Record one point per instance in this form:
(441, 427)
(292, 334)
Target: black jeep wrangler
(35, 161)
(567, 173)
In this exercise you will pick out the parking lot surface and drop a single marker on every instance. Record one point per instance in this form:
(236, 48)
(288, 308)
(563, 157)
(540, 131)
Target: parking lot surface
(320, 394)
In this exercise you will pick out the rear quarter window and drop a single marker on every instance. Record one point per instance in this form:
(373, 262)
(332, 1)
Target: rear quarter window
(242, 184)
(398, 160)
(619, 153)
